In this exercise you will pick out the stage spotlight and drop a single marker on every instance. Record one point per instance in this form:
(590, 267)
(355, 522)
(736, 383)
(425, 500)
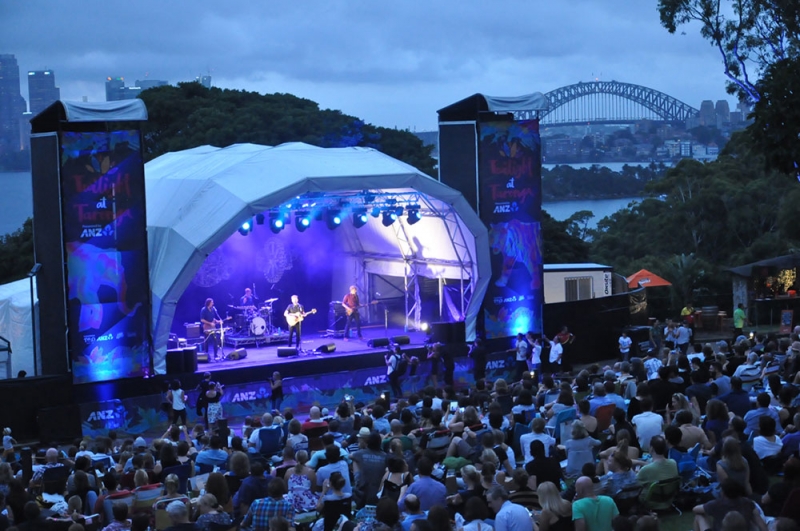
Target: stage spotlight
(260, 219)
(413, 216)
(333, 219)
(388, 218)
(360, 218)
(375, 212)
(424, 327)
(277, 222)
(398, 211)
(244, 230)
(302, 220)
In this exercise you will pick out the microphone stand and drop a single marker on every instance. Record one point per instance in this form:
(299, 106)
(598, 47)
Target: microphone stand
(220, 331)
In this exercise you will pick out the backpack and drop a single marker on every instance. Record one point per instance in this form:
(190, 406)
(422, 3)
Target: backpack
(402, 366)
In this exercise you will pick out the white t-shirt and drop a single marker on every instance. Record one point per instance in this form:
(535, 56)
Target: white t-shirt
(763, 447)
(684, 334)
(556, 350)
(537, 355)
(526, 440)
(648, 425)
(522, 350)
(625, 344)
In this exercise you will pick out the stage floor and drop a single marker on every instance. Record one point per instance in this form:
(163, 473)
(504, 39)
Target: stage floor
(268, 354)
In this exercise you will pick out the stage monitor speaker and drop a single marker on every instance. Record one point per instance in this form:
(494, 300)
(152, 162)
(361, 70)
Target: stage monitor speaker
(378, 342)
(401, 340)
(59, 424)
(190, 359)
(202, 357)
(175, 361)
(455, 332)
(287, 352)
(239, 354)
(326, 349)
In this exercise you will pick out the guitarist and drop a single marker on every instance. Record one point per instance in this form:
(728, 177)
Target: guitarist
(295, 309)
(351, 305)
(211, 321)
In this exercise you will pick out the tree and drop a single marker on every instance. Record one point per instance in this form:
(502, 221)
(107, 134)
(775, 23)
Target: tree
(16, 253)
(578, 224)
(191, 115)
(560, 247)
(747, 33)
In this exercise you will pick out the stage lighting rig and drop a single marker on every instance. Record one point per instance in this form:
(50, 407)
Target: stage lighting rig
(302, 220)
(359, 217)
(246, 227)
(333, 218)
(388, 217)
(277, 221)
(260, 218)
(413, 214)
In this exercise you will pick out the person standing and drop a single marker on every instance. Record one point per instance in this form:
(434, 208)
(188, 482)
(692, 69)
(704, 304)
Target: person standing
(625, 345)
(211, 322)
(276, 385)
(213, 398)
(521, 357)
(535, 361)
(177, 398)
(201, 406)
(739, 320)
(556, 353)
(657, 335)
(393, 359)
(294, 313)
(683, 336)
(478, 354)
(351, 305)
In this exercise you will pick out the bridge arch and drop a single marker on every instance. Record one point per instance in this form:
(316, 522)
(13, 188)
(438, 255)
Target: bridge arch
(662, 106)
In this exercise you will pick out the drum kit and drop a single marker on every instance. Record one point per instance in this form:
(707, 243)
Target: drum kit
(253, 321)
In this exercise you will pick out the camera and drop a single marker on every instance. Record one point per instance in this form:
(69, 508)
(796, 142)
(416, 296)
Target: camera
(348, 398)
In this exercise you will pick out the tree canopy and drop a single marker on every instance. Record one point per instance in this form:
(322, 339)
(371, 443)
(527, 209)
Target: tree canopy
(190, 115)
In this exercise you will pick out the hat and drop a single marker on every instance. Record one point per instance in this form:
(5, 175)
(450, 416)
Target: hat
(796, 346)
(139, 443)
(364, 433)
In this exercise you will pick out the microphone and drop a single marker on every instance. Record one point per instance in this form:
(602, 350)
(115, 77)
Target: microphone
(216, 312)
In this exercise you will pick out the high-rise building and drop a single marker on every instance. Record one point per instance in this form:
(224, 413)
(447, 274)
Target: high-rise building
(42, 90)
(723, 111)
(145, 84)
(114, 88)
(12, 104)
(708, 115)
(204, 80)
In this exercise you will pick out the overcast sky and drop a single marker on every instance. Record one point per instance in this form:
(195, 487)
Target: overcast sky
(390, 62)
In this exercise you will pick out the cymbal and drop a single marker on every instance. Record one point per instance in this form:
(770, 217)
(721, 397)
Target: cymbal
(270, 300)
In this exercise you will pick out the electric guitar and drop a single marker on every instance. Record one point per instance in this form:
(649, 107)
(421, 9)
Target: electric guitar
(208, 327)
(294, 318)
(351, 310)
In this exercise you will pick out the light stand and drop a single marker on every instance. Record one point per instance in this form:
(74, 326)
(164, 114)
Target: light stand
(33, 272)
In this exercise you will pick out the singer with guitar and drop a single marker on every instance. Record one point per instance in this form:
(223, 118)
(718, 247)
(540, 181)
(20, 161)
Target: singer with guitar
(351, 306)
(294, 318)
(211, 322)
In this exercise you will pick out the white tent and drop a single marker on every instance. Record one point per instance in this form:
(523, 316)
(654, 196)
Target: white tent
(15, 326)
(198, 198)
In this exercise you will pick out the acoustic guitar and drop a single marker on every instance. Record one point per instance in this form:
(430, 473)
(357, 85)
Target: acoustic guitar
(294, 318)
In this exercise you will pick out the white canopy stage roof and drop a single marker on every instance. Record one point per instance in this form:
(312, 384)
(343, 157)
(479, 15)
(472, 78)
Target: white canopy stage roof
(198, 198)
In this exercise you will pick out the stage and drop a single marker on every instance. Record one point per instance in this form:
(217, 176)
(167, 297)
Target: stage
(344, 355)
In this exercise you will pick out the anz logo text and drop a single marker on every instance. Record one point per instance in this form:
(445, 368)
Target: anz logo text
(107, 414)
(244, 396)
(495, 364)
(375, 380)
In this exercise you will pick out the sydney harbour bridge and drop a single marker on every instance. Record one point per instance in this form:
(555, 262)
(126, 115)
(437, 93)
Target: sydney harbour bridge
(608, 102)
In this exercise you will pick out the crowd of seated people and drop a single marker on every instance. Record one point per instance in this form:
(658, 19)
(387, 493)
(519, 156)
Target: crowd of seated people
(582, 451)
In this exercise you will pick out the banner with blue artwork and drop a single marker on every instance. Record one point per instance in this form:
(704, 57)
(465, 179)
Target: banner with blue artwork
(510, 179)
(105, 244)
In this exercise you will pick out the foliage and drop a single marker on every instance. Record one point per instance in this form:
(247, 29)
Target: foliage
(725, 213)
(747, 33)
(16, 253)
(565, 182)
(560, 247)
(191, 115)
(776, 126)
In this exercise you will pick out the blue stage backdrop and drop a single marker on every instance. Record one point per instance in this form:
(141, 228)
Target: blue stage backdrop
(105, 240)
(145, 415)
(511, 205)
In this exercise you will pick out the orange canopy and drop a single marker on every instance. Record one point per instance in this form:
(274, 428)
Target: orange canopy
(646, 279)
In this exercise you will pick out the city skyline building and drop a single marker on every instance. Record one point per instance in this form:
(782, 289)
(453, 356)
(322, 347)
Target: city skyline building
(42, 90)
(145, 84)
(12, 104)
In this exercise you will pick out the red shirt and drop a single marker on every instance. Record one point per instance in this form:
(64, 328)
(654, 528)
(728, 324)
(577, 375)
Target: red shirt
(351, 301)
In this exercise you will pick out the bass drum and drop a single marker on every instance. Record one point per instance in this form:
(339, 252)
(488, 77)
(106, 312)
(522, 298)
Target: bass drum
(258, 326)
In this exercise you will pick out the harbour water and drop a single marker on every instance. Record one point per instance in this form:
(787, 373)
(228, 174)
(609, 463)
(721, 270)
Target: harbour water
(16, 203)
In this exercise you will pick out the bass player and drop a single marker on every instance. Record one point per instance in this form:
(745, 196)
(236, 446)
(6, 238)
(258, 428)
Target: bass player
(211, 322)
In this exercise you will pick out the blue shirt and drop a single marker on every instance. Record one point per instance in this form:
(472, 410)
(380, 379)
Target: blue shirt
(752, 418)
(429, 491)
(513, 517)
(598, 401)
(212, 457)
(738, 402)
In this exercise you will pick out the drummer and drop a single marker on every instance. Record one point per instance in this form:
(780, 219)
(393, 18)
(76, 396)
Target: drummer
(247, 301)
